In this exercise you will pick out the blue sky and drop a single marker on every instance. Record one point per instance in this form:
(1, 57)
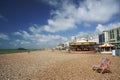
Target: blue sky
(45, 23)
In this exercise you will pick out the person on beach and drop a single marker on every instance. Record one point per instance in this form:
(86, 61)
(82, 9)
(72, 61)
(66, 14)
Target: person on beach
(105, 65)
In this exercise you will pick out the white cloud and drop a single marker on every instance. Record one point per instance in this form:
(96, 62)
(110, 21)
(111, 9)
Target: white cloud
(100, 28)
(4, 36)
(37, 40)
(36, 29)
(97, 10)
(21, 43)
(23, 33)
(113, 25)
(60, 24)
(17, 33)
(89, 11)
(68, 15)
(53, 2)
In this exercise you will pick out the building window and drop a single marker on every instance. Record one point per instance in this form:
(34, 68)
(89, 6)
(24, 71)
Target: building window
(118, 34)
(111, 34)
(101, 38)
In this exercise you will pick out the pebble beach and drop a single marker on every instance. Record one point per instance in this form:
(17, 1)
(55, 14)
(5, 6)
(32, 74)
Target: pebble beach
(55, 65)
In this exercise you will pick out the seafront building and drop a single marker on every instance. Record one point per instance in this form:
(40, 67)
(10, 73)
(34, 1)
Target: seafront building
(111, 36)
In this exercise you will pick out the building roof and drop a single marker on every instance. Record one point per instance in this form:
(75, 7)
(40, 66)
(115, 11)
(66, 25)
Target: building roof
(81, 43)
(111, 29)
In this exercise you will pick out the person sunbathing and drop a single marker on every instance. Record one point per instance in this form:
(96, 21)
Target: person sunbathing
(104, 66)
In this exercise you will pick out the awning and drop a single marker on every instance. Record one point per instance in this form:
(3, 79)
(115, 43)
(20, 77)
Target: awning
(82, 43)
(106, 45)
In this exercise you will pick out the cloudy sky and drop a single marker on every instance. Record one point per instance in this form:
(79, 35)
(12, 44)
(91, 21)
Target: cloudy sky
(45, 23)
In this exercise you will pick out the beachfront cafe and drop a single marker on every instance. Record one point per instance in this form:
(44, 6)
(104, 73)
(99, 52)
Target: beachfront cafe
(82, 47)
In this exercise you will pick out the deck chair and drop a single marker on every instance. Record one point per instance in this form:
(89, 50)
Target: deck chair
(103, 67)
